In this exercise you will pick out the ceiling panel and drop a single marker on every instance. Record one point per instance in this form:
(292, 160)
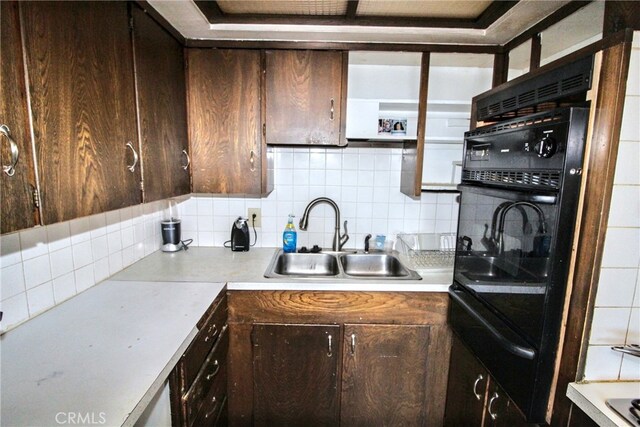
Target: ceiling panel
(284, 7)
(423, 9)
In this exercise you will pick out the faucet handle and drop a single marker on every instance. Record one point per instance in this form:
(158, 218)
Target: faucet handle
(345, 236)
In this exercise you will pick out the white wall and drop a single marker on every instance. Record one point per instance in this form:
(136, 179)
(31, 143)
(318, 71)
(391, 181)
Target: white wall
(616, 317)
(364, 182)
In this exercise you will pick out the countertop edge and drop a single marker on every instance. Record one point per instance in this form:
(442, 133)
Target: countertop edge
(595, 405)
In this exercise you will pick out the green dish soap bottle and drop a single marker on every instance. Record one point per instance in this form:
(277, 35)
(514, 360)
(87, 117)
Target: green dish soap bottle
(289, 237)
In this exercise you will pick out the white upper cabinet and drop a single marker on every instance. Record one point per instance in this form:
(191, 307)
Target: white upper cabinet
(454, 79)
(382, 99)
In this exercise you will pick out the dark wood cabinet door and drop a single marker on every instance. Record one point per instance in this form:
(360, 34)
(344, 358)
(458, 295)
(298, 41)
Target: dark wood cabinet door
(17, 182)
(384, 375)
(500, 410)
(304, 90)
(467, 389)
(161, 95)
(223, 93)
(80, 67)
(295, 374)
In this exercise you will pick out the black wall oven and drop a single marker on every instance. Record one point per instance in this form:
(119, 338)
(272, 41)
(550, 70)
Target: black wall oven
(518, 203)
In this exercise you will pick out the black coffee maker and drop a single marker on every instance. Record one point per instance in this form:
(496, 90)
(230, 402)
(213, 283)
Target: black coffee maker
(240, 235)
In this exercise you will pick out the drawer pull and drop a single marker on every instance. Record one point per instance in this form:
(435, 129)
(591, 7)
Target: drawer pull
(213, 410)
(211, 334)
(475, 387)
(215, 371)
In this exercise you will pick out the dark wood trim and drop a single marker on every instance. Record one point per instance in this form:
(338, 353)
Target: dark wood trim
(554, 18)
(536, 51)
(495, 10)
(500, 69)
(161, 21)
(619, 15)
(352, 9)
(625, 36)
(343, 98)
(291, 45)
(604, 132)
(210, 9)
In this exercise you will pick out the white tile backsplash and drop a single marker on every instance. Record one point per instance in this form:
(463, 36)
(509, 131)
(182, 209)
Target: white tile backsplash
(618, 294)
(45, 266)
(364, 182)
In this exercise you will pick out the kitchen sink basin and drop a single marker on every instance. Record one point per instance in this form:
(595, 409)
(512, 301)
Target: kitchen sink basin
(294, 264)
(338, 266)
(373, 265)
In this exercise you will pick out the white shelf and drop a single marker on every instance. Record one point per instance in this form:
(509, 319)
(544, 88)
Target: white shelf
(448, 106)
(438, 187)
(443, 140)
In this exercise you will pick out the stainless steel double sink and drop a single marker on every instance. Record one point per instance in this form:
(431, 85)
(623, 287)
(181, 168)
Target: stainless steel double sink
(338, 266)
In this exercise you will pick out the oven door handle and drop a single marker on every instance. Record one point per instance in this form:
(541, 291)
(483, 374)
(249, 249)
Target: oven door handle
(520, 350)
(515, 195)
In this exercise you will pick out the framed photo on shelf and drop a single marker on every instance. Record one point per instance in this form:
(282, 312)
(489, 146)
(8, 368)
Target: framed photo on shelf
(392, 127)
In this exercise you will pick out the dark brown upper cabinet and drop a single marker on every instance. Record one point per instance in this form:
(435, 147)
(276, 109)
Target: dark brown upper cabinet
(228, 154)
(80, 66)
(305, 94)
(384, 375)
(161, 96)
(295, 372)
(18, 176)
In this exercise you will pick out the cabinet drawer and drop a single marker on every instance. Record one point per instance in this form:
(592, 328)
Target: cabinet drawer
(213, 405)
(193, 358)
(212, 375)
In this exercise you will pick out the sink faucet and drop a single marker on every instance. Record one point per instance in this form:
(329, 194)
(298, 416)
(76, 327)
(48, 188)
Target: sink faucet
(366, 243)
(338, 241)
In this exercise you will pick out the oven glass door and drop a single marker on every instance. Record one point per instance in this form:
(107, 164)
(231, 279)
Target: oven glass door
(505, 244)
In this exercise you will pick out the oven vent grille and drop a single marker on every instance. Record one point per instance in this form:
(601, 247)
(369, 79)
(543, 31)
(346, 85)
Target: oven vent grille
(535, 178)
(571, 79)
(551, 116)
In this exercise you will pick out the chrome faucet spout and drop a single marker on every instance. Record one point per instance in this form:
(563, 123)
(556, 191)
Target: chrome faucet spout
(338, 240)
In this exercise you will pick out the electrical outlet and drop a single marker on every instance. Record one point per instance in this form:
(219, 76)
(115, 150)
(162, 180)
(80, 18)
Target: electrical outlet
(258, 222)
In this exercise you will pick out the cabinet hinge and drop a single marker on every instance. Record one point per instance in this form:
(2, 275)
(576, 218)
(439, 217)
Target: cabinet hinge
(36, 198)
(131, 23)
(141, 185)
(264, 129)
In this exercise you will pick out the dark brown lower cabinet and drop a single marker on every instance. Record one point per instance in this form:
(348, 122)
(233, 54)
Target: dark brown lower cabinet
(198, 383)
(473, 397)
(383, 375)
(310, 358)
(295, 374)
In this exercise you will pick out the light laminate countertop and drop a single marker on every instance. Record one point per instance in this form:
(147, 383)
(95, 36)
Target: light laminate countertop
(245, 271)
(101, 355)
(591, 398)
(104, 354)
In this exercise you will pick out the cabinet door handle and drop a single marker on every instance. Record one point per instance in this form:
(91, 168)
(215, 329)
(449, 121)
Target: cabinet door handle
(353, 344)
(186, 155)
(215, 371)
(252, 160)
(332, 110)
(330, 348)
(492, 414)
(475, 387)
(132, 167)
(10, 169)
(214, 401)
